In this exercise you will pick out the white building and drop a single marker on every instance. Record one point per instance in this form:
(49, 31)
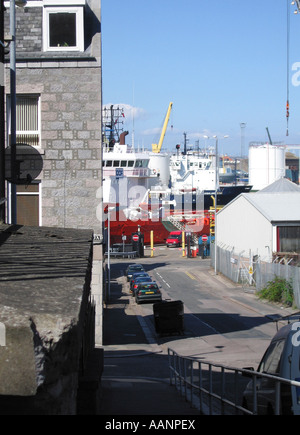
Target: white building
(264, 222)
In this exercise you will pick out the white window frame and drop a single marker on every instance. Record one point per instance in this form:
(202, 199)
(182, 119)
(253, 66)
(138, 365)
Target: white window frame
(79, 11)
(20, 132)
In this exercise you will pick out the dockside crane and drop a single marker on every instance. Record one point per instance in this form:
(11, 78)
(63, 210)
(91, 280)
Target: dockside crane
(297, 2)
(157, 147)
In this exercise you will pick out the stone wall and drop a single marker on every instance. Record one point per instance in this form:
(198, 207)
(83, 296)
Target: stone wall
(69, 85)
(46, 317)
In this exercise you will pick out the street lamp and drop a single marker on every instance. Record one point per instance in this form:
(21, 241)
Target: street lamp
(216, 195)
(108, 250)
(13, 108)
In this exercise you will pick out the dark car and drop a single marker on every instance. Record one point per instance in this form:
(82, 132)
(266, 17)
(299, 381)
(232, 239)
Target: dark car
(138, 275)
(281, 359)
(148, 292)
(139, 280)
(132, 268)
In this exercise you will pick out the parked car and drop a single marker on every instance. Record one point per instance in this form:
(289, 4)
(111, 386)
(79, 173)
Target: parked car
(281, 359)
(139, 280)
(132, 268)
(138, 275)
(148, 292)
(174, 239)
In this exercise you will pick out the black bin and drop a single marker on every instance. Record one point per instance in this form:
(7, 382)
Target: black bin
(168, 317)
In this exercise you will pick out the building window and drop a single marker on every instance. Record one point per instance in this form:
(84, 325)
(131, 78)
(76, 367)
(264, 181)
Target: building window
(63, 28)
(27, 120)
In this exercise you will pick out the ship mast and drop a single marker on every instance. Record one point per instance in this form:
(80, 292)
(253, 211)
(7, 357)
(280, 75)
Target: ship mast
(113, 121)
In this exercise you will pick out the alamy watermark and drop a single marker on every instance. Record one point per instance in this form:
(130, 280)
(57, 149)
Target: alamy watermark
(2, 334)
(137, 203)
(296, 335)
(296, 75)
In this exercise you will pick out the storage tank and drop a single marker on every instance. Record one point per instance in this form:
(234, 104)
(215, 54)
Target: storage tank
(266, 164)
(160, 167)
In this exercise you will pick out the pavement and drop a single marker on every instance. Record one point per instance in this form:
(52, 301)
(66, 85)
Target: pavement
(135, 379)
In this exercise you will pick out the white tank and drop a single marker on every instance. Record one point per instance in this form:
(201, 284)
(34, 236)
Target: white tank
(160, 167)
(266, 164)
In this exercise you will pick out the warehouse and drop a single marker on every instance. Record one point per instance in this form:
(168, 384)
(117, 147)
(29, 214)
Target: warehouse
(264, 222)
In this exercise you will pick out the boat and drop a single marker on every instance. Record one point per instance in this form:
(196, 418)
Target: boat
(127, 178)
(151, 191)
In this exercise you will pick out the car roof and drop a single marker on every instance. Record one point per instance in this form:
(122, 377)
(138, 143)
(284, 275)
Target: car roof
(150, 283)
(283, 332)
(139, 273)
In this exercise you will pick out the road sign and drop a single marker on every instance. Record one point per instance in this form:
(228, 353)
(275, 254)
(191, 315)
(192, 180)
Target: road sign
(119, 172)
(135, 238)
(204, 238)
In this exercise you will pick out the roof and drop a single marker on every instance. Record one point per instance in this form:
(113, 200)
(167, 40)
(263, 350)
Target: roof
(280, 185)
(276, 207)
(278, 202)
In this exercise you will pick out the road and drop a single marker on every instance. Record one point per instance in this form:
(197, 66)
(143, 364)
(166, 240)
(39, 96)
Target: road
(224, 322)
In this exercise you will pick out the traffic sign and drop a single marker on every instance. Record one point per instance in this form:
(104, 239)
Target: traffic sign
(135, 237)
(119, 172)
(204, 238)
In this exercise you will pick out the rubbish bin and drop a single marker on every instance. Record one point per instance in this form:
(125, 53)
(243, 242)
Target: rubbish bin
(169, 317)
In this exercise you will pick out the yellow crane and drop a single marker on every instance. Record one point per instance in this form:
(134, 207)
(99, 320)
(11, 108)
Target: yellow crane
(157, 147)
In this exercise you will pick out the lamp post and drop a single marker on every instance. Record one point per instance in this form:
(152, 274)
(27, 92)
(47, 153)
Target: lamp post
(216, 195)
(13, 109)
(2, 117)
(108, 250)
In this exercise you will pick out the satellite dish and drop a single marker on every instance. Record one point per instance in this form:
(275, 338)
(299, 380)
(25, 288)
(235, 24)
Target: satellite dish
(29, 164)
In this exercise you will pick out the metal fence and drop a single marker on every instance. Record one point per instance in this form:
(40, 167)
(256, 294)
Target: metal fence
(216, 389)
(250, 270)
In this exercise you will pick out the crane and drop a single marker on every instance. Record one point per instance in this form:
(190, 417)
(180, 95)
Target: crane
(297, 5)
(157, 147)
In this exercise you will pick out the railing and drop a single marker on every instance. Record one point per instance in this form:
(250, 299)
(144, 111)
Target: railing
(217, 389)
(127, 172)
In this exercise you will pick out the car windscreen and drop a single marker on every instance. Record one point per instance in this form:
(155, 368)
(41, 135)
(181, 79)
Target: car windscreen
(271, 361)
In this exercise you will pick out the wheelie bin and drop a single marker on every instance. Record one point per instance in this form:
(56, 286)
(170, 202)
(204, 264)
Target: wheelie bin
(169, 317)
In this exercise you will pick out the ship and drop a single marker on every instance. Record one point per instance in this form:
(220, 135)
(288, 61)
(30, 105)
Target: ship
(155, 192)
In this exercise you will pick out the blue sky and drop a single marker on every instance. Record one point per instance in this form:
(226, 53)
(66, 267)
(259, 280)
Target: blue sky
(220, 62)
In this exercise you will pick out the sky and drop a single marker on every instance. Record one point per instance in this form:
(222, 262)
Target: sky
(221, 63)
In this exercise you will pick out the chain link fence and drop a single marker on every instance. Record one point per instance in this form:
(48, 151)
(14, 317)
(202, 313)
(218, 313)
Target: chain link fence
(252, 272)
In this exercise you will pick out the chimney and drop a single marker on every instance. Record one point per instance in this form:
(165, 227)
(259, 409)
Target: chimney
(122, 137)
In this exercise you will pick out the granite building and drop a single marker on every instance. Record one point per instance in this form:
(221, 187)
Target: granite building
(58, 113)
(58, 118)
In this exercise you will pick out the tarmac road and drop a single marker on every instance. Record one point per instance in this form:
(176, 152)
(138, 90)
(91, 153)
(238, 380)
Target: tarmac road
(224, 323)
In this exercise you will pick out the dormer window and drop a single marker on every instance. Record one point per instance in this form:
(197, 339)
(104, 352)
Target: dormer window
(63, 26)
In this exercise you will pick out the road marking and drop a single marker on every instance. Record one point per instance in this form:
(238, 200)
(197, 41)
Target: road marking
(190, 275)
(167, 284)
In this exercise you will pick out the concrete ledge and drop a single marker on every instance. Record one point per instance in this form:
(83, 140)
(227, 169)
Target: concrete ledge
(45, 279)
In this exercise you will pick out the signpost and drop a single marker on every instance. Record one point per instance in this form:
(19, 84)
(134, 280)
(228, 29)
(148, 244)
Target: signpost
(135, 237)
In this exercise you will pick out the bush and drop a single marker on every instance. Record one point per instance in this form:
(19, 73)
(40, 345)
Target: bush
(278, 290)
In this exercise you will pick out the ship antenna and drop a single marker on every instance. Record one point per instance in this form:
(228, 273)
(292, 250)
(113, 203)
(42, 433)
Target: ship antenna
(288, 66)
(133, 117)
